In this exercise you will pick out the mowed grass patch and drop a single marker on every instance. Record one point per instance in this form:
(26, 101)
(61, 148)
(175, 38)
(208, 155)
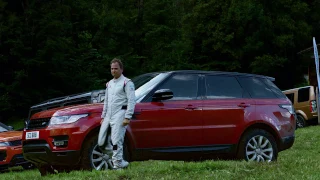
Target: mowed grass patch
(302, 161)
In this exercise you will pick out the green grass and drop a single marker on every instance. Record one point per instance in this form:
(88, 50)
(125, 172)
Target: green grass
(302, 161)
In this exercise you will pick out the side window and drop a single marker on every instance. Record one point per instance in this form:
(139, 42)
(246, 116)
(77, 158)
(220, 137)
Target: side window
(183, 86)
(291, 97)
(303, 94)
(256, 88)
(222, 87)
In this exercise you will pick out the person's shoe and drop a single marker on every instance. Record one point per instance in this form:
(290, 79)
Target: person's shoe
(120, 164)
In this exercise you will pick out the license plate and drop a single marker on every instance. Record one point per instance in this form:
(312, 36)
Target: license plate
(32, 135)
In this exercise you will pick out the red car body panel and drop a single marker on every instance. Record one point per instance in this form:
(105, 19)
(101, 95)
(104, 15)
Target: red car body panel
(224, 120)
(10, 136)
(167, 124)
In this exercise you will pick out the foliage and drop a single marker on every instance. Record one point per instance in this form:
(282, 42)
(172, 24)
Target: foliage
(54, 48)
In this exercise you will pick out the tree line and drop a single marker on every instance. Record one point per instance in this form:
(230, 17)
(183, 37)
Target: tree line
(55, 48)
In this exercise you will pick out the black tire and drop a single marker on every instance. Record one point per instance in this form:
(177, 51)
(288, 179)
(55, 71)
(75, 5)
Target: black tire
(45, 169)
(301, 122)
(255, 146)
(65, 169)
(87, 149)
(28, 166)
(4, 169)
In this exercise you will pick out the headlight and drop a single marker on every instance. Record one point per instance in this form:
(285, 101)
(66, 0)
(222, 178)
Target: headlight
(66, 119)
(288, 107)
(3, 144)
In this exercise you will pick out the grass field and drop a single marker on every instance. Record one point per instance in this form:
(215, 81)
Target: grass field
(302, 161)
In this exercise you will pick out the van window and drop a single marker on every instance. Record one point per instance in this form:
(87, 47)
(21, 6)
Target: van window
(291, 97)
(303, 94)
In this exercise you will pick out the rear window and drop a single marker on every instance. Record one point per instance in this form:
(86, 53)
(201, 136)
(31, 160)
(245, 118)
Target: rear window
(256, 87)
(303, 94)
(274, 88)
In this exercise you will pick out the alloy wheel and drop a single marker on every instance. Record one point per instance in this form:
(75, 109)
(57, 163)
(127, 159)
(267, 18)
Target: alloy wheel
(100, 160)
(259, 149)
(300, 122)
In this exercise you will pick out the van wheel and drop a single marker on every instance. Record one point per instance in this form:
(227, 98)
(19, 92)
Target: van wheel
(92, 156)
(258, 145)
(300, 121)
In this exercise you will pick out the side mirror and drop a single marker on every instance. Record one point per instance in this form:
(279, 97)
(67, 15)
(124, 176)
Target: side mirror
(162, 94)
(25, 123)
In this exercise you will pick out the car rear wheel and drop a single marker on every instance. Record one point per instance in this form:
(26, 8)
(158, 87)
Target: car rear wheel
(258, 145)
(300, 121)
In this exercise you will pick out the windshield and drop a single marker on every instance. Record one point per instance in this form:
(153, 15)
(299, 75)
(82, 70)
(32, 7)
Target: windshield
(146, 82)
(3, 128)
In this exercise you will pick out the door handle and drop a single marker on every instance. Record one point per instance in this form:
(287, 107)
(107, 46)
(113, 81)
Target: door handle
(244, 105)
(190, 108)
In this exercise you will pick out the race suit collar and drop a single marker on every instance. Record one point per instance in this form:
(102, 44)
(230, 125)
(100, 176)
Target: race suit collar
(116, 80)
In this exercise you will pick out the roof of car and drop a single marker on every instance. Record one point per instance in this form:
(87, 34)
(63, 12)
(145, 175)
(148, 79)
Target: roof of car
(220, 72)
(295, 89)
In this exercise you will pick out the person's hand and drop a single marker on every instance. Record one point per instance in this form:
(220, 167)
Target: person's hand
(101, 121)
(126, 122)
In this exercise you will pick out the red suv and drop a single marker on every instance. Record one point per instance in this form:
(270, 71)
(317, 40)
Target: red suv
(178, 115)
(11, 149)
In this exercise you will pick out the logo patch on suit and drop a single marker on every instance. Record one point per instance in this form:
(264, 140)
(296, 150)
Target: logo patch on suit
(131, 87)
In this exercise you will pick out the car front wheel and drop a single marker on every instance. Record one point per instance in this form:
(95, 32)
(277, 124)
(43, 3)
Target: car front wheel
(258, 145)
(94, 158)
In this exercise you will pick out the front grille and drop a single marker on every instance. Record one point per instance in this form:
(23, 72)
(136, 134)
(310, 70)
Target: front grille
(34, 142)
(38, 123)
(16, 143)
(3, 155)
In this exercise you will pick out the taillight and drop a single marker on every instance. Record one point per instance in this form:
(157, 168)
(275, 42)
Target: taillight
(313, 106)
(288, 107)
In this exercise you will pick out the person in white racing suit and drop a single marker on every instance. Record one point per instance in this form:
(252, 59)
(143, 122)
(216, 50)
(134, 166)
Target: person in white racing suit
(117, 111)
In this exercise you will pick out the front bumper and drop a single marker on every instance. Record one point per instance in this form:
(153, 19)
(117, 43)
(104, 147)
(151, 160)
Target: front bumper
(286, 143)
(11, 156)
(44, 150)
(42, 154)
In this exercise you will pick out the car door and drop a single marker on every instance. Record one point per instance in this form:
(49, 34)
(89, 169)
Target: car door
(172, 125)
(225, 108)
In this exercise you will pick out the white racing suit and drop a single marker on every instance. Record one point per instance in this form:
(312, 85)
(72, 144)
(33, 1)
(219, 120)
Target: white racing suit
(119, 104)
